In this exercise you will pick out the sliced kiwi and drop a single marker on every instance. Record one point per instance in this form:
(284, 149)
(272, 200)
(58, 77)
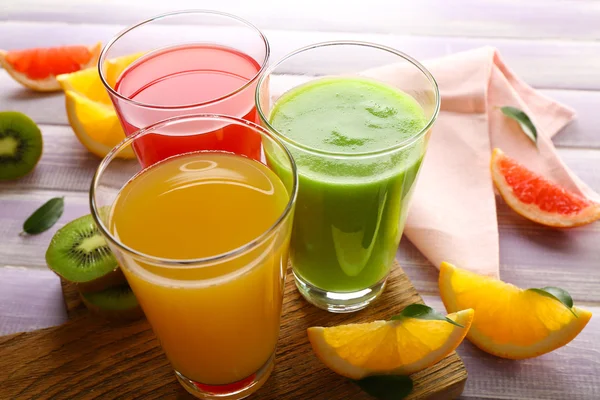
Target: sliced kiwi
(20, 145)
(79, 253)
(117, 302)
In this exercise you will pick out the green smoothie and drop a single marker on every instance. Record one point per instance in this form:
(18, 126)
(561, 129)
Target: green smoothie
(351, 207)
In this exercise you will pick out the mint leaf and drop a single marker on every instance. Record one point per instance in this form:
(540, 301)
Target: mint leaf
(558, 294)
(44, 217)
(386, 387)
(523, 120)
(421, 311)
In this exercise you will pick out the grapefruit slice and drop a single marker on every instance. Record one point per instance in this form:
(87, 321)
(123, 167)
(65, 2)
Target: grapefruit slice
(37, 68)
(397, 347)
(538, 199)
(510, 322)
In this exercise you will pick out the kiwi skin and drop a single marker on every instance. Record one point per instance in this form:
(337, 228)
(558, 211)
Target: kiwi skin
(79, 254)
(116, 303)
(113, 278)
(28, 150)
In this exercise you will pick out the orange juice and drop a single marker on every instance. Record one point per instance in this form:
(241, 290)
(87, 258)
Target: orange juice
(218, 320)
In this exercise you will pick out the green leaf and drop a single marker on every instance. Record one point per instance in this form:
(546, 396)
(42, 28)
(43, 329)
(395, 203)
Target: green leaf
(523, 120)
(386, 387)
(421, 311)
(44, 217)
(558, 294)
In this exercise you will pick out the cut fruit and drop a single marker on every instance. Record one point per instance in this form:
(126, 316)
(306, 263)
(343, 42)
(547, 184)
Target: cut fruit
(510, 322)
(38, 68)
(399, 347)
(96, 125)
(117, 302)
(538, 199)
(20, 145)
(89, 109)
(79, 253)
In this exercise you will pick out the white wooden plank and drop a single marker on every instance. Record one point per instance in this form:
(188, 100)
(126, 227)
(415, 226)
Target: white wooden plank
(65, 163)
(29, 299)
(574, 19)
(48, 108)
(568, 259)
(545, 64)
(585, 130)
(571, 372)
(29, 251)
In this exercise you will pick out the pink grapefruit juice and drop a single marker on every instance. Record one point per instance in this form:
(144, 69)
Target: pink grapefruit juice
(190, 79)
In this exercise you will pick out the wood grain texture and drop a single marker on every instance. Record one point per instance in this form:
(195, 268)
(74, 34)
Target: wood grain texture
(72, 300)
(467, 18)
(571, 372)
(552, 64)
(89, 358)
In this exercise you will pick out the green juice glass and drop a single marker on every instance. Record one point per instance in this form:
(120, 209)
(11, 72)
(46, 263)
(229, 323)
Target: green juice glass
(357, 119)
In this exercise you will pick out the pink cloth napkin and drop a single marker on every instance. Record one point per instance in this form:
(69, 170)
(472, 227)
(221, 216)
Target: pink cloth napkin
(453, 211)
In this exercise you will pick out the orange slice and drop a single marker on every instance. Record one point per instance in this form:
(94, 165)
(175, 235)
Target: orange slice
(510, 322)
(398, 347)
(38, 68)
(89, 109)
(538, 199)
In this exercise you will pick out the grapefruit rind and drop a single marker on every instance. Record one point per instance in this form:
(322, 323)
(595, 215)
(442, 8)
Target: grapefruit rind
(49, 84)
(531, 211)
(554, 340)
(331, 357)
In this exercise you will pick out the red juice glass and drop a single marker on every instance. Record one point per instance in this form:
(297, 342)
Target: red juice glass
(189, 62)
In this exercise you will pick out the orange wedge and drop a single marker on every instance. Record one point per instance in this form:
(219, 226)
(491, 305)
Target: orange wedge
(398, 347)
(510, 322)
(89, 109)
(38, 68)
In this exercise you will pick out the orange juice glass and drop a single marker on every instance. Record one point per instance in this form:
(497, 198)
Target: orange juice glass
(202, 238)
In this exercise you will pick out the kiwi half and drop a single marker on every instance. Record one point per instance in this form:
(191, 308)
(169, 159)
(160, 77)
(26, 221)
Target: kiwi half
(117, 302)
(79, 253)
(20, 145)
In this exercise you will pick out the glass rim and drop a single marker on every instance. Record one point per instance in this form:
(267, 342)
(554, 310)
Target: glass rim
(398, 146)
(111, 42)
(168, 262)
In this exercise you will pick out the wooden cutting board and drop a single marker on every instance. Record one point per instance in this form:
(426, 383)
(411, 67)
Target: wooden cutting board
(90, 358)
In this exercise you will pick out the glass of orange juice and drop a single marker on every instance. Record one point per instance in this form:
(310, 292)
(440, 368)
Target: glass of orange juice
(203, 238)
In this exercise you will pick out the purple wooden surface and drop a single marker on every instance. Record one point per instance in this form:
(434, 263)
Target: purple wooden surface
(30, 299)
(572, 19)
(550, 64)
(535, 38)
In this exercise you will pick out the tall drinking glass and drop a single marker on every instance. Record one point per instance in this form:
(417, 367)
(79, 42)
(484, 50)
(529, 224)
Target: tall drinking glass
(357, 119)
(202, 239)
(183, 63)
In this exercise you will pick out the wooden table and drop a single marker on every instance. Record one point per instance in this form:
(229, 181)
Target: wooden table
(554, 45)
